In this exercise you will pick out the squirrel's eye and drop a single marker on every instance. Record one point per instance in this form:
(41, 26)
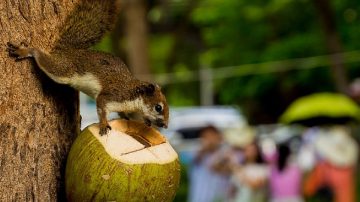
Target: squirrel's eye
(158, 108)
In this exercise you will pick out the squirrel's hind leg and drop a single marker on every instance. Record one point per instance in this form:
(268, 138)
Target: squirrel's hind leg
(56, 66)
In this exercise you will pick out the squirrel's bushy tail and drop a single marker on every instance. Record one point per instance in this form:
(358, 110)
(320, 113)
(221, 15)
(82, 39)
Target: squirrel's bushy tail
(87, 23)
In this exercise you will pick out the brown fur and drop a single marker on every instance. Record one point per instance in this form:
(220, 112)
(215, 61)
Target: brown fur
(88, 23)
(70, 59)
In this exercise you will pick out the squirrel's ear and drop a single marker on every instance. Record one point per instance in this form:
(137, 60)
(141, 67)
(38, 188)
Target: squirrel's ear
(148, 89)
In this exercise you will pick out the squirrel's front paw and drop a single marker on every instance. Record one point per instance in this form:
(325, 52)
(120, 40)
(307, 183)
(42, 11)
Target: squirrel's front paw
(19, 51)
(147, 122)
(104, 130)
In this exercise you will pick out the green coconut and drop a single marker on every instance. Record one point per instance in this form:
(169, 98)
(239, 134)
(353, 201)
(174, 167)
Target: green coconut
(131, 163)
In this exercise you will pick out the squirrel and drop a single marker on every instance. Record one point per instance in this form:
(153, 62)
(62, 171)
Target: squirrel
(101, 76)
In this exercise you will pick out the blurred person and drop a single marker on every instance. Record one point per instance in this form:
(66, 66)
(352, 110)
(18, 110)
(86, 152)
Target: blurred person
(250, 178)
(237, 139)
(285, 176)
(207, 184)
(332, 179)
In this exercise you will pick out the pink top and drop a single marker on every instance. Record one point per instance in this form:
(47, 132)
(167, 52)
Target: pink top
(285, 184)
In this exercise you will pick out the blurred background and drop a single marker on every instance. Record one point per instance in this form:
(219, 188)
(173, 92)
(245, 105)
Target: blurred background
(235, 74)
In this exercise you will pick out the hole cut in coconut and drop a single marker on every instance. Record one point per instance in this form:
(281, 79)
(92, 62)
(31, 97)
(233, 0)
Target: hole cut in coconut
(134, 142)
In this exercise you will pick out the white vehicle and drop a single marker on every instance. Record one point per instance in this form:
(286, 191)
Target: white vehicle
(185, 123)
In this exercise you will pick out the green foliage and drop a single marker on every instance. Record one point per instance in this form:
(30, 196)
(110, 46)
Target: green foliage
(105, 45)
(186, 35)
(160, 47)
(242, 32)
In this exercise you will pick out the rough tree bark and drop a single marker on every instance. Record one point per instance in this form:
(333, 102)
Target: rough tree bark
(333, 43)
(38, 118)
(137, 36)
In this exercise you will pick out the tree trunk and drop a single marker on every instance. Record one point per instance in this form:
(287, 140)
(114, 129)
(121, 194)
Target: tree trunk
(137, 36)
(38, 118)
(333, 43)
